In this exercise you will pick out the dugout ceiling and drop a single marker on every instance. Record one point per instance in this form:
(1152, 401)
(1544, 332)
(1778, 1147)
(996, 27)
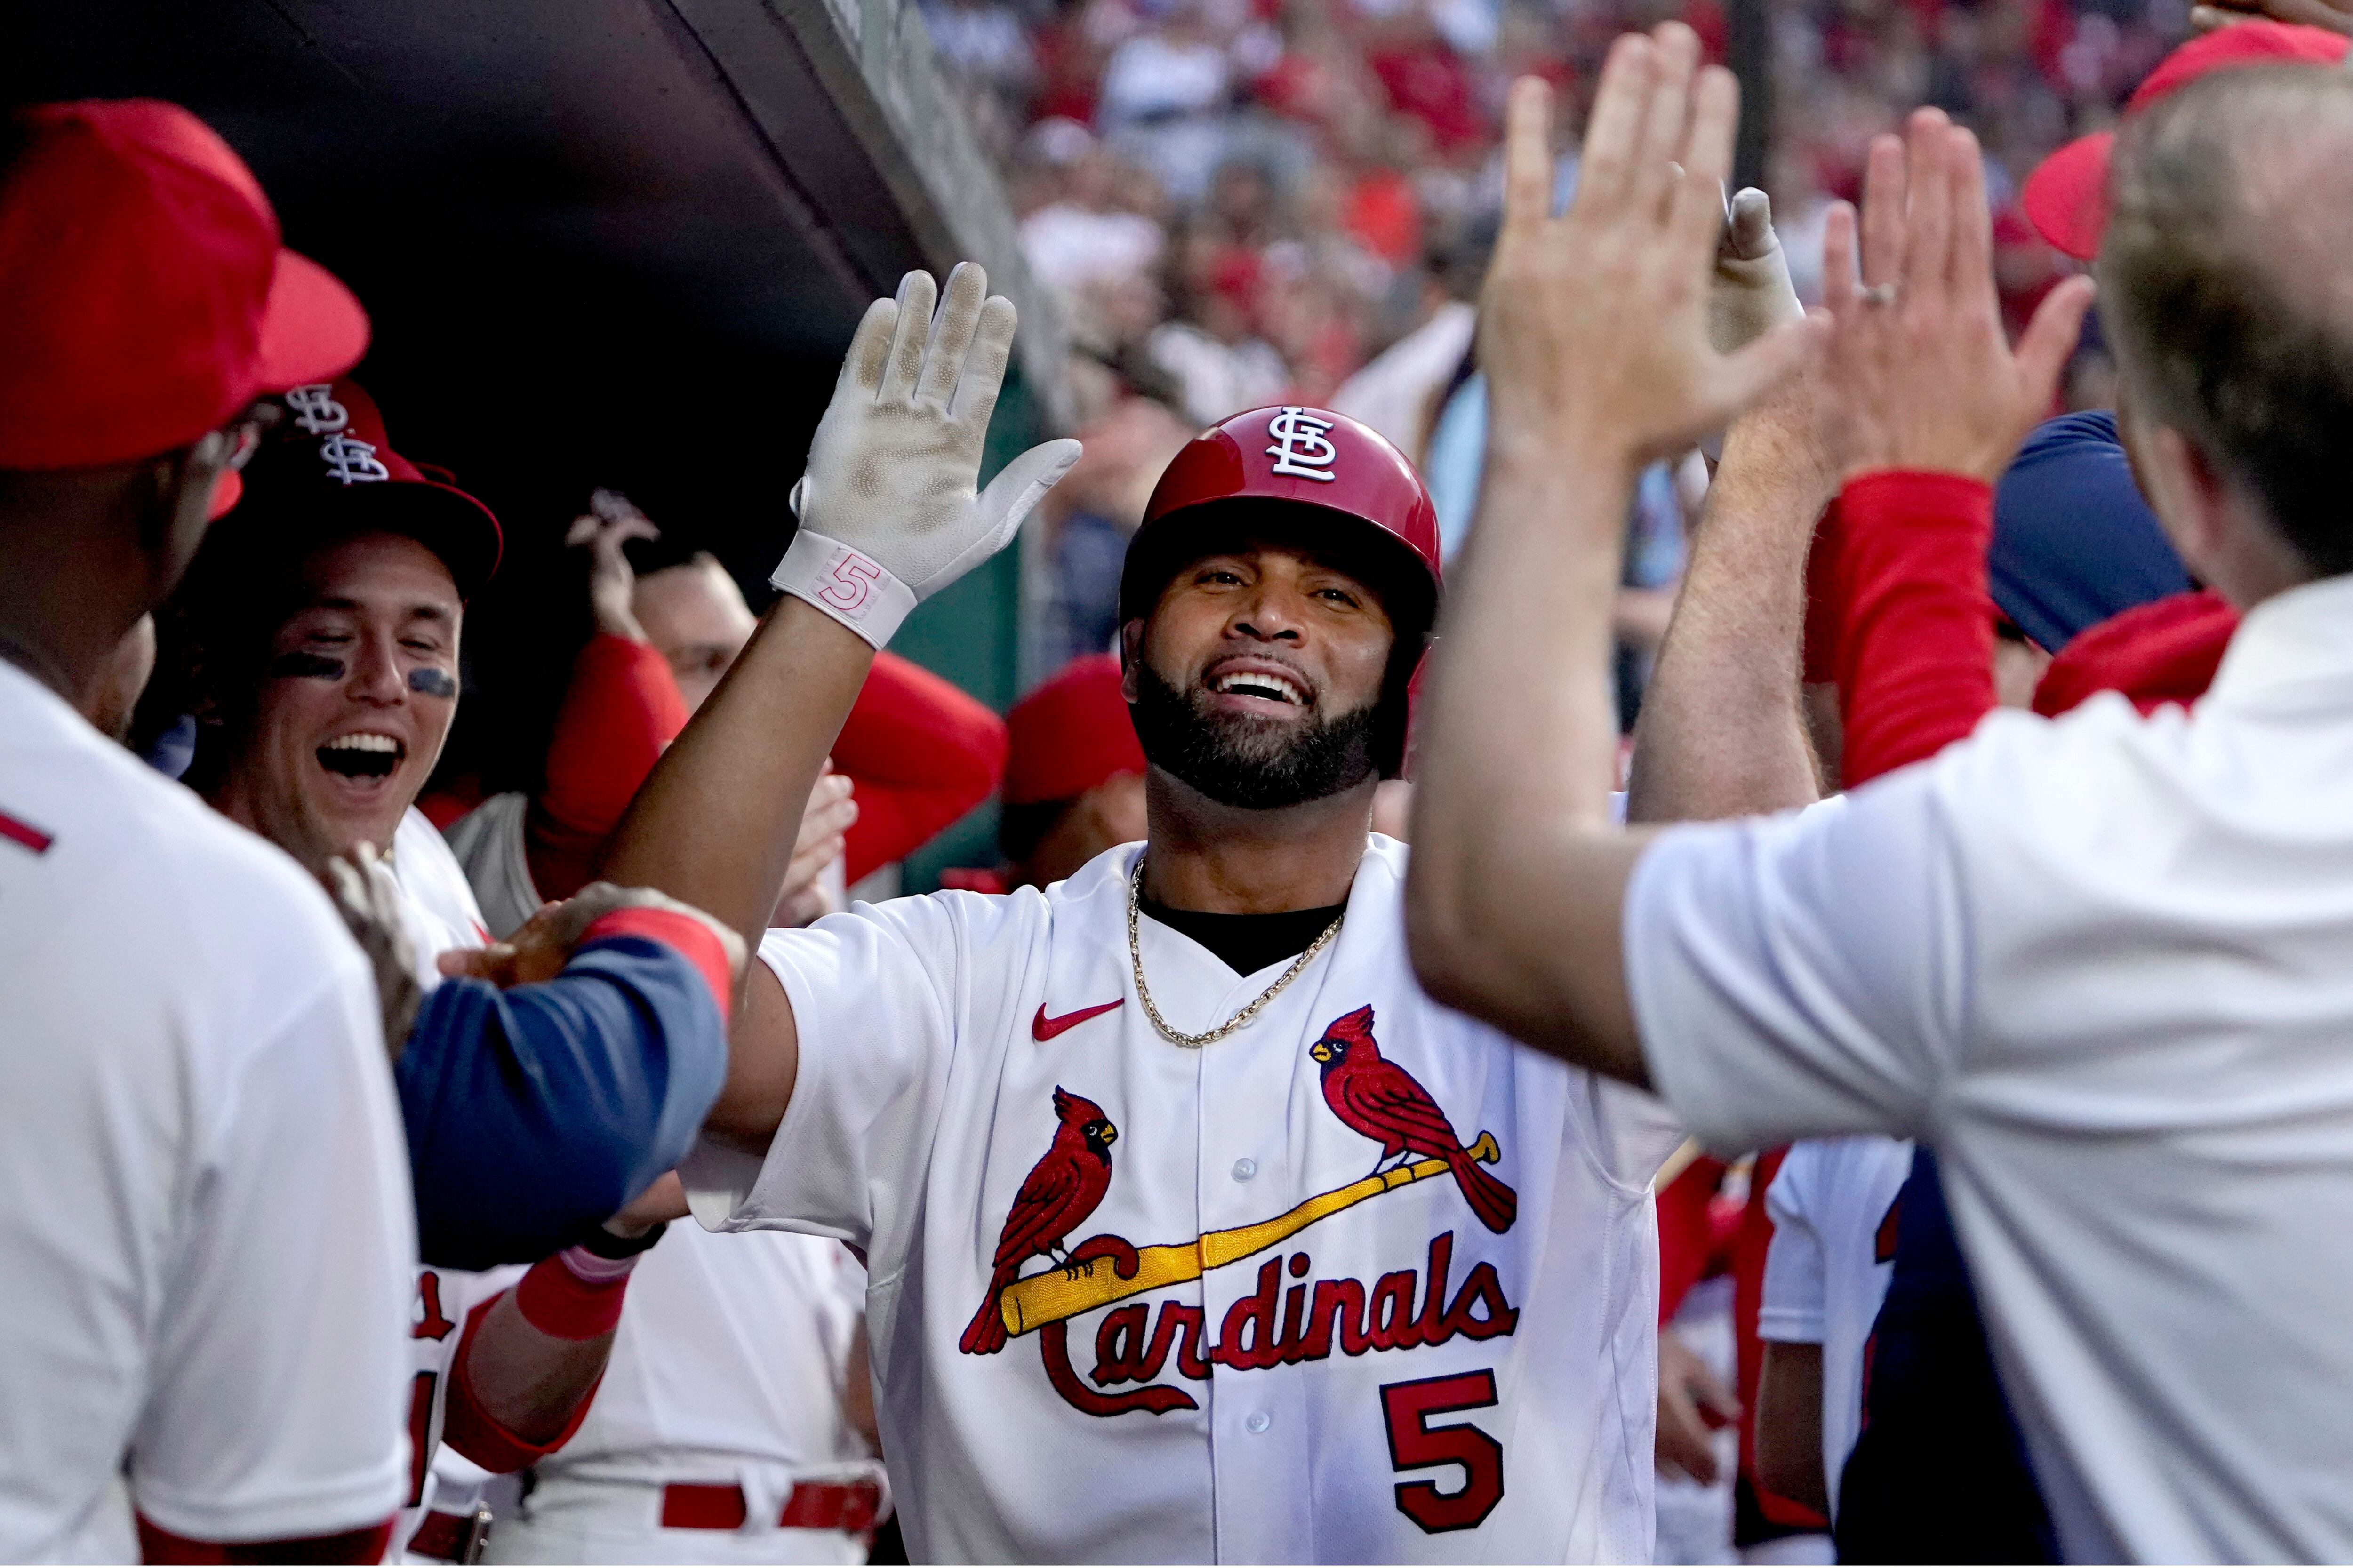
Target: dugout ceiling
(619, 242)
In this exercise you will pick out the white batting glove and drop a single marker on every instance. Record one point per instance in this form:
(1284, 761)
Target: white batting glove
(886, 509)
(1750, 293)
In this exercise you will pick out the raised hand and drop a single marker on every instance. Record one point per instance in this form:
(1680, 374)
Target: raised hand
(609, 523)
(1593, 331)
(888, 512)
(1750, 293)
(1919, 373)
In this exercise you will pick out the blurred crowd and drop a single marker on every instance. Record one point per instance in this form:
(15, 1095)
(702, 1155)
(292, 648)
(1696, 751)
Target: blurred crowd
(1249, 202)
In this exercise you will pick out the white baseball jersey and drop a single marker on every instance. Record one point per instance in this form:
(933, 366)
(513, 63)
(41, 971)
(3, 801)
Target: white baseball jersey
(206, 1230)
(444, 1300)
(1451, 1356)
(1833, 1208)
(439, 911)
(439, 906)
(728, 1370)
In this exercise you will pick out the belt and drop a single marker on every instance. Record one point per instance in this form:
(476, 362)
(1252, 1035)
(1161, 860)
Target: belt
(848, 1506)
(453, 1537)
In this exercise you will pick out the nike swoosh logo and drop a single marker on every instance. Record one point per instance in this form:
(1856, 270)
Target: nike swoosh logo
(1045, 1028)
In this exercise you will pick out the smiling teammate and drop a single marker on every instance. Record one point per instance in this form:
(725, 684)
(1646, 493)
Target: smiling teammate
(1089, 1123)
(323, 624)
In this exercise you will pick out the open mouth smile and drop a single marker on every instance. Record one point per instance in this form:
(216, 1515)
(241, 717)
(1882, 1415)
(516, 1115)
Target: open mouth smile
(1258, 688)
(366, 756)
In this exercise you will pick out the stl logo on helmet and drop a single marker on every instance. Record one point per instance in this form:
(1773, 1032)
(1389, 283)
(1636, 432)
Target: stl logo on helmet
(1301, 448)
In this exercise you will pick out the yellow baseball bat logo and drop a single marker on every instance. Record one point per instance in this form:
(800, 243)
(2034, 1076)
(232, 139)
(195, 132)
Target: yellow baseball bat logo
(1054, 1293)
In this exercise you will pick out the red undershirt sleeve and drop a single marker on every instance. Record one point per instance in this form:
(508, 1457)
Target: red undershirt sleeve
(622, 708)
(920, 754)
(1915, 629)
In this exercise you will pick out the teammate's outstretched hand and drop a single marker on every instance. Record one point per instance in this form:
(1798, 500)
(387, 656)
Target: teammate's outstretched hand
(888, 512)
(543, 945)
(369, 900)
(1918, 374)
(609, 523)
(1750, 293)
(1593, 326)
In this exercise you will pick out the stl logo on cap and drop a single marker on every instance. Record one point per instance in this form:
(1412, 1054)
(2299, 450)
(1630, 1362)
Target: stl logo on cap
(315, 410)
(351, 460)
(1301, 445)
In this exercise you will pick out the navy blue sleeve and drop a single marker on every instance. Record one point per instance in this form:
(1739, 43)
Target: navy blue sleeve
(534, 1113)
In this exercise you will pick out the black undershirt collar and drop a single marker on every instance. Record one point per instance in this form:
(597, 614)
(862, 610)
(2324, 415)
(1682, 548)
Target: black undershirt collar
(1248, 944)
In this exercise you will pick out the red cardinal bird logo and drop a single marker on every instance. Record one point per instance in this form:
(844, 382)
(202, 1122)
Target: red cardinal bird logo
(1056, 1197)
(1380, 1100)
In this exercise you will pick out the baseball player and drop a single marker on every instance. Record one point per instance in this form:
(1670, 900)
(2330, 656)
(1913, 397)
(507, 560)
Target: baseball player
(324, 627)
(1833, 1208)
(204, 1230)
(734, 1425)
(321, 626)
(1185, 1112)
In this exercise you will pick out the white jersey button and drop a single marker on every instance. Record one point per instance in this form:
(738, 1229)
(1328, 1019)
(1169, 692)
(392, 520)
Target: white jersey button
(1258, 1420)
(1244, 1169)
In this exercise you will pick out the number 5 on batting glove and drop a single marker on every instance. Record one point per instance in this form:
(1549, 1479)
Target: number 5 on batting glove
(886, 509)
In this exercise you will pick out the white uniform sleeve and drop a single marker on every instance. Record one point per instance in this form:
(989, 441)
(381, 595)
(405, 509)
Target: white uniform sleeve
(1637, 1131)
(880, 998)
(278, 1387)
(1802, 975)
(1792, 1308)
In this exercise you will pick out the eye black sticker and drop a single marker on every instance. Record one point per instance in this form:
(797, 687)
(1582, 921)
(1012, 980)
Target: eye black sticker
(303, 664)
(427, 681)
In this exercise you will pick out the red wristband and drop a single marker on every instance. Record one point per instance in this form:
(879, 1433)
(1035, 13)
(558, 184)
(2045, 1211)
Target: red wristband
(686, 935)
(574, 1295)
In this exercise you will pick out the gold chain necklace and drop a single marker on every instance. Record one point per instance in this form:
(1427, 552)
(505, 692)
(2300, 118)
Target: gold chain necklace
(1143, 993)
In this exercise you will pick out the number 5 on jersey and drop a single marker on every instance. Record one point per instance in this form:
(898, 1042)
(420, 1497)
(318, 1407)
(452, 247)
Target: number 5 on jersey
(1416, 1444)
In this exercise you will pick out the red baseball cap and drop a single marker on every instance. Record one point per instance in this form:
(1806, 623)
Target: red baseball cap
(144, 298)
(329, 469)
(1071, 734)
(2066, 198)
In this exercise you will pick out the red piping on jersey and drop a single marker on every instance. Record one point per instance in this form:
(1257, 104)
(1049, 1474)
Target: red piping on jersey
(23, 833)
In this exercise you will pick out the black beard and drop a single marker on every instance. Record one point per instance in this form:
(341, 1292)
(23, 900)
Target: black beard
(1252, 764)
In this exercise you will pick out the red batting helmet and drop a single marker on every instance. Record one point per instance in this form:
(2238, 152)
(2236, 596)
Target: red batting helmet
(1310, 470)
